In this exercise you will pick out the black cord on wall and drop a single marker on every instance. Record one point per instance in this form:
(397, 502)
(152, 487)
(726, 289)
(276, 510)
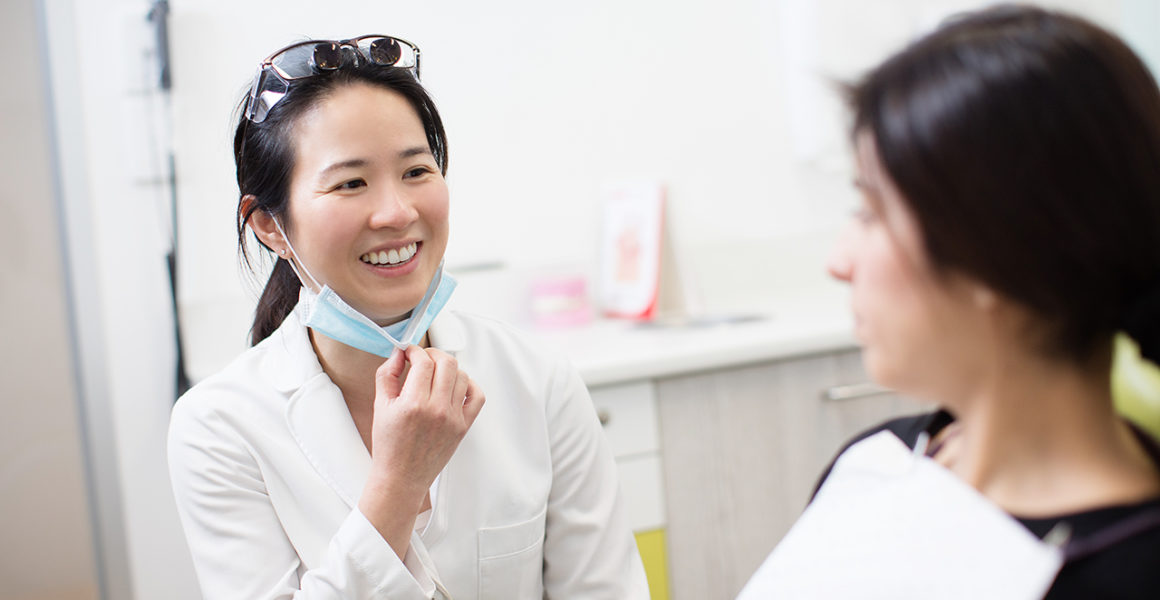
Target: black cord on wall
(159, 17)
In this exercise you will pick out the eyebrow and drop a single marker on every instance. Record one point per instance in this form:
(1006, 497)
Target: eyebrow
(414, 151)
(355, 163)
(871, 192)
(345, 164)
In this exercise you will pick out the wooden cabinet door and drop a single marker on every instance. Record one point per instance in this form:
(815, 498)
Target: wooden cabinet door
(851, 405)
(742, 450)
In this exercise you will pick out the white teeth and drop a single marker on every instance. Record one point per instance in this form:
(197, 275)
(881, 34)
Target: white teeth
(391, 257)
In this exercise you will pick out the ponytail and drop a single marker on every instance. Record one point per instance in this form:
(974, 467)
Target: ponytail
(277, 301)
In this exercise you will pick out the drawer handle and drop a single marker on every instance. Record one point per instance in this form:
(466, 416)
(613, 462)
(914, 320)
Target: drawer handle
(604, 417)
(854, 391)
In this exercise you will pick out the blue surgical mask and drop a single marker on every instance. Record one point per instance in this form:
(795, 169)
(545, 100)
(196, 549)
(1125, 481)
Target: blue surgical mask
(330, 315)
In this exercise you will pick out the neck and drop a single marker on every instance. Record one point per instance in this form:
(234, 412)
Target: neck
(1040, 437)
(351, 369)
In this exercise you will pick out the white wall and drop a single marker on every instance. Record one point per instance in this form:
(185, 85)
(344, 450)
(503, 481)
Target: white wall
(1140, 26)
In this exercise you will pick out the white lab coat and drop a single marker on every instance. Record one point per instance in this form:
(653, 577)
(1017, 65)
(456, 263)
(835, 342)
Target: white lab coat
(267, 468)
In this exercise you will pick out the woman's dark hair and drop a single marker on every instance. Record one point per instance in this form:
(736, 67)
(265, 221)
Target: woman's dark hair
(264, 155)
(1027, 145)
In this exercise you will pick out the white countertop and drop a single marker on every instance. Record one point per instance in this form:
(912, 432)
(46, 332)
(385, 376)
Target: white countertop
(614, 351)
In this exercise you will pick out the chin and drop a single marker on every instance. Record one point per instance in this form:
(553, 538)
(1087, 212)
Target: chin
(384, 315)
(393, 302)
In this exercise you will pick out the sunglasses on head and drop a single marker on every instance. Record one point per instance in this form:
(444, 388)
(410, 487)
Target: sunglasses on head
(309, 58)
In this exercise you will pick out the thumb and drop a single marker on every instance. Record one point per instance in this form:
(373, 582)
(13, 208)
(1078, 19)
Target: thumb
(389, 376)
(472, 402)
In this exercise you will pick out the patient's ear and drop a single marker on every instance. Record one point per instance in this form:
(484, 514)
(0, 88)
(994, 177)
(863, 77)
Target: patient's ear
(983, 297)
(262, 224)
(973, 292)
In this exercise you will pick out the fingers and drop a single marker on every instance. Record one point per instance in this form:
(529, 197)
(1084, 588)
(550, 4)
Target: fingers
(434, 379)
(432, 374)
(472, 402)
(459, 394)
(445, 376)
(389, 376)
(418, 381)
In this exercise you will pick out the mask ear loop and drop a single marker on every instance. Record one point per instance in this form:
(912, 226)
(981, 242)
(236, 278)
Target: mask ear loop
(317, 288)
(421, 308)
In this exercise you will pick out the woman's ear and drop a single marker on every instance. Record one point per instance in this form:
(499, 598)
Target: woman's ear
(983, 297)
(262, 224)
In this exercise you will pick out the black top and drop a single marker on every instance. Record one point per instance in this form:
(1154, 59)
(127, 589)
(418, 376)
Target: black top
(1113, 552)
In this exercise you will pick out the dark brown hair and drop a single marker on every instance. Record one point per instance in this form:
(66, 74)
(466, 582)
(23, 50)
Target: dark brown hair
(264, 155)
(1027, 145)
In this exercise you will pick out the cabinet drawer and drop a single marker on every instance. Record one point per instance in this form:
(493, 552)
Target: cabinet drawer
(629, 415)
(642, 491)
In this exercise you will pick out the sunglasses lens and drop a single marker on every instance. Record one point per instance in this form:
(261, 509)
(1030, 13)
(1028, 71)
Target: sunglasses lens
(305, 59)
(267, 90)
(385, 51)
(327, 56)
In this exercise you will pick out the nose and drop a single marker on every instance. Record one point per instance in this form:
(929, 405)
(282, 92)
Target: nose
(840, 265)
(393, 209)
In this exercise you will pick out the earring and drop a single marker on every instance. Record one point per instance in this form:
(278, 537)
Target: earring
(282, 251)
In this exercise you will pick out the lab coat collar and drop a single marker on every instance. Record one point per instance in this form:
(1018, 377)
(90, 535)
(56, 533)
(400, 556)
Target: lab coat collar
(447, 333)
(290, 362)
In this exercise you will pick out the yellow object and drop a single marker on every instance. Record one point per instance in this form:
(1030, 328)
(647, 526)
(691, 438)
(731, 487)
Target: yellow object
(656, 564)
(1136, 386)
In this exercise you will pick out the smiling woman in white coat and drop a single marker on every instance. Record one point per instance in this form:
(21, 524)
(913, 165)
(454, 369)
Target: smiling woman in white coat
(350, 452)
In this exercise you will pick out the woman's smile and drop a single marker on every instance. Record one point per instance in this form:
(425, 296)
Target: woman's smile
(393, 261)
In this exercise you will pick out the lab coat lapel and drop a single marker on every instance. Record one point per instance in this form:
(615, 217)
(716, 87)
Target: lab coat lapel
(316, 414)
(320, 422)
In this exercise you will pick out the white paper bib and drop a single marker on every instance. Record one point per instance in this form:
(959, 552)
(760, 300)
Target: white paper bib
(890, 523)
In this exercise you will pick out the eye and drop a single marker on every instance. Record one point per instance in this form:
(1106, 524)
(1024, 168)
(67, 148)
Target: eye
(417, 172)
(865, 215)
(353, 184)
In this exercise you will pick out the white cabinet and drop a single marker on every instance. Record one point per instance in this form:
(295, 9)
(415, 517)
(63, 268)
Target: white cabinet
(628, 413)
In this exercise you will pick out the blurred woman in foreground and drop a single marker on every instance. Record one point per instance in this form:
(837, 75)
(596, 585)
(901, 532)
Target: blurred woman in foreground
(1009, 165)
